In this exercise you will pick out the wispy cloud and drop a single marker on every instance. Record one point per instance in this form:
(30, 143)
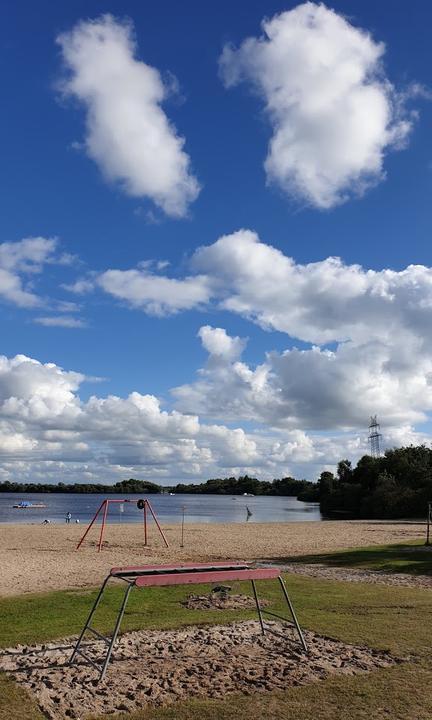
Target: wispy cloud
(20, 261)
(155, 294)
(65, 321)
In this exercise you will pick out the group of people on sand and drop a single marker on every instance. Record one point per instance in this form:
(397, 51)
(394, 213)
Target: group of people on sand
(68, 518)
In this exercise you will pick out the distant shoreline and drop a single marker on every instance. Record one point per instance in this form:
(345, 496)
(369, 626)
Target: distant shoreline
(241, 523)
(141, 493)
(243, 486)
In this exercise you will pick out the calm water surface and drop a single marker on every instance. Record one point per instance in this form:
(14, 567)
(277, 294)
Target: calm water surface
(168, 508)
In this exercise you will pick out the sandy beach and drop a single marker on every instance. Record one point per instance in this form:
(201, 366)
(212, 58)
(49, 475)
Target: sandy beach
(39, 558)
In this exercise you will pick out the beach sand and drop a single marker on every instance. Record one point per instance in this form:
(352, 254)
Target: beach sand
(39, 558)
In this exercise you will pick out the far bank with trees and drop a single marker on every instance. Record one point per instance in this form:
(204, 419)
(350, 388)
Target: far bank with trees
(396, 485)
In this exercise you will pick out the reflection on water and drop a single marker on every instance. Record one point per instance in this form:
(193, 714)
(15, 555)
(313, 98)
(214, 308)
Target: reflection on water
(309, 507)
(198, 508)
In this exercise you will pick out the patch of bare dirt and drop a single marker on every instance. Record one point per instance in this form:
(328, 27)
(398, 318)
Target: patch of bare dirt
(161, 667)
(221, 601)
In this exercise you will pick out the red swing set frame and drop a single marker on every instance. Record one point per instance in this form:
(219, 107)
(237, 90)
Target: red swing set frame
(143, 505)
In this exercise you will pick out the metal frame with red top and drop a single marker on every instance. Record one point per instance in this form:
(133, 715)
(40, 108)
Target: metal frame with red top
(142, 576)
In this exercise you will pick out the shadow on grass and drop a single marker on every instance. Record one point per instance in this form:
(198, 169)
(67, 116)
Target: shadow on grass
(402, 558)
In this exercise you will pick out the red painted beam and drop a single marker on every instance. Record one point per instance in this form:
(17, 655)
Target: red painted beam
(143, 568)
(215, 576)
(116, 500)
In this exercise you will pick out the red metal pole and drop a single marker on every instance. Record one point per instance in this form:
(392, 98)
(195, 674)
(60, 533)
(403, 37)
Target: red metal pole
(103, 525)
(89, 527)
(145, 523)
(158, 526)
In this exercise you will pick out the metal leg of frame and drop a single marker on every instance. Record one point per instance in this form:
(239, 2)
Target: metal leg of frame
(296, 623)
(258, 606)
(116, 630)
(88, 621)
(157, 524)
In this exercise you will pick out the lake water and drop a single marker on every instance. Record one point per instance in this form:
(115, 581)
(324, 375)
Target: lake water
(168, 508)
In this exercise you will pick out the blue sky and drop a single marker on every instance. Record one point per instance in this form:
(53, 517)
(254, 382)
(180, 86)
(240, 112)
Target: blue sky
(281, 413)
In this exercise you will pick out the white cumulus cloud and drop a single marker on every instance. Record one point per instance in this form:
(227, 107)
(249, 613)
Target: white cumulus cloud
(378, 323)
(219, 344)
(321, 302)
(43, 421)
(48, 432)
(365, 347)
(316, 389)
(333, 112)
(155, 294)
(129, 136)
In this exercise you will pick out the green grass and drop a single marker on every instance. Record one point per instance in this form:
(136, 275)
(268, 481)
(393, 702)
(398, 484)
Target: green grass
(15, 703)
(410, 558)
(38, 618)
(395, 619)
(356, 613)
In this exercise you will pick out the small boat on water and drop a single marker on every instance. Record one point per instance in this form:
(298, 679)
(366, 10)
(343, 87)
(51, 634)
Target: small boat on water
(26, 504)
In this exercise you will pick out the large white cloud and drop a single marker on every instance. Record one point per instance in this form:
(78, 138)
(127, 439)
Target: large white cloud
(128, 135)
(43, 421)
(366, 349)
(47, 432)
(332, 110)
(321, 302)
(32, 391)
(377, 323)
(317, 389)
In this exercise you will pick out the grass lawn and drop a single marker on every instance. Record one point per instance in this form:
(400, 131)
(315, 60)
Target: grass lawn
(395, 619)
(413, 558)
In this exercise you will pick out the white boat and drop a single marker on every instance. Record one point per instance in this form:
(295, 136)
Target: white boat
(26, 504)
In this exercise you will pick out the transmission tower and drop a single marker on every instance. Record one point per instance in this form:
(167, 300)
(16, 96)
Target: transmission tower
(374, 436)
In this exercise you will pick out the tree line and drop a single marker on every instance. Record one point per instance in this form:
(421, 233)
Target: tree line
(398, 484)
(221, 486)
(122, 487)
(287, 486)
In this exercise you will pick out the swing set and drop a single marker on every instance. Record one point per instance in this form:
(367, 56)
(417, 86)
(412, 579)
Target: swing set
(142, 504)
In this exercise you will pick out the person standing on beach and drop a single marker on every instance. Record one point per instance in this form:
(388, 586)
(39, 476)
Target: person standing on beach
(68, 517)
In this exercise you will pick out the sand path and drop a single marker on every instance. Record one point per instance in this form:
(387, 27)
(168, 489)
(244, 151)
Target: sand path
(39, 558)
(374, 577)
